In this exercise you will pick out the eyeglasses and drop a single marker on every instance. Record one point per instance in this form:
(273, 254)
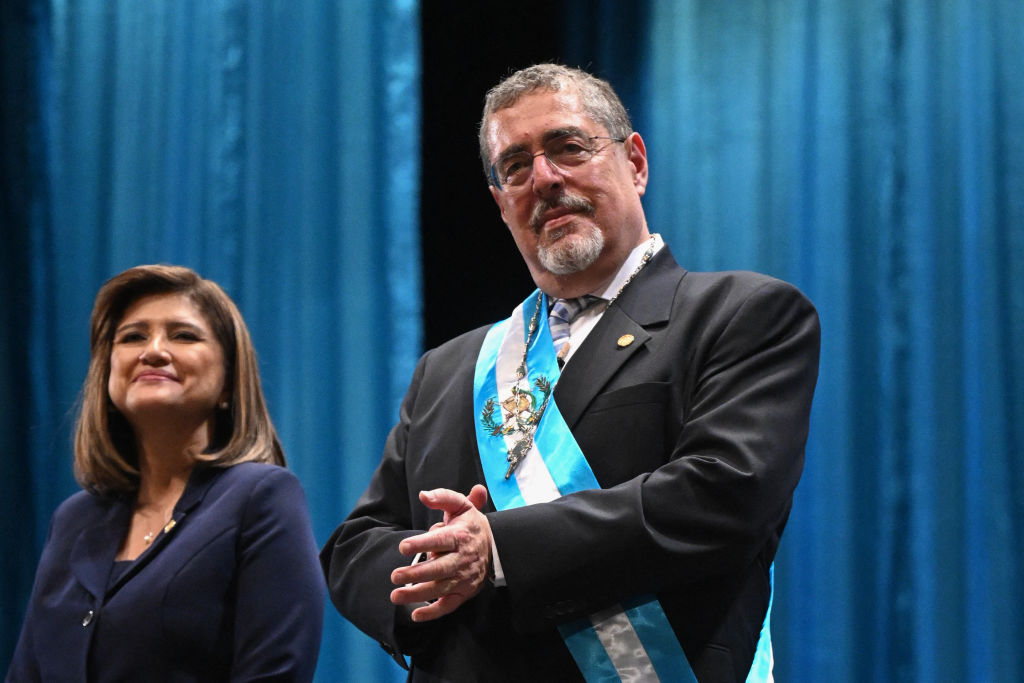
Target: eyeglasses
(563, 152)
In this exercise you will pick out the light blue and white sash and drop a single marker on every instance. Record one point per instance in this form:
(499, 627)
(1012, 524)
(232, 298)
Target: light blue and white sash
(632, 641)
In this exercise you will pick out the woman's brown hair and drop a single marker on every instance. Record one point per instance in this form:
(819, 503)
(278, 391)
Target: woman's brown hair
(105, 456)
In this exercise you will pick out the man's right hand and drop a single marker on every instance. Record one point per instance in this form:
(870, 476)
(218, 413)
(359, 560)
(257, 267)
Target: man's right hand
(458, 552)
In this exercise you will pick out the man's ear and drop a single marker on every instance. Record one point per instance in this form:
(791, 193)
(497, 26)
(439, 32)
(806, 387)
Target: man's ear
(637, 153)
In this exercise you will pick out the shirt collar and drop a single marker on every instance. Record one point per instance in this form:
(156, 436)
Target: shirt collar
(631, 263)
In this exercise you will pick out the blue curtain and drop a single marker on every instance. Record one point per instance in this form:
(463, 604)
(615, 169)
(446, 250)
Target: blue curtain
(871, 152)
(273, 146)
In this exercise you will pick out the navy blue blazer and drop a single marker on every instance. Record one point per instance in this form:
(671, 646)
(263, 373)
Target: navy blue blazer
(696, 433)
(232, 592)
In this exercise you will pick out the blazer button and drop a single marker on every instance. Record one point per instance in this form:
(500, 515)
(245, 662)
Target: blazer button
(87, 618)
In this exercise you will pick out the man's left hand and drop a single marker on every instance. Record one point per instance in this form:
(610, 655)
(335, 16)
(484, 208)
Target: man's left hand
(458, 552)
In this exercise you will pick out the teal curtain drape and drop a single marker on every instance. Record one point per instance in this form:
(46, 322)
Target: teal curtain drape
(871, 152)
(273, 146)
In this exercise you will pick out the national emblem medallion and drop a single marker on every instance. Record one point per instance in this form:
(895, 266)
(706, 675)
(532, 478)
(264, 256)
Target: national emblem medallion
(520, 414)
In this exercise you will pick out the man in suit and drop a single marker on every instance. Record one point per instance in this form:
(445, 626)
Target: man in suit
(600, 494)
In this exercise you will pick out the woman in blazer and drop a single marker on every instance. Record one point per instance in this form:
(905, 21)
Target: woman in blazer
(189, 555)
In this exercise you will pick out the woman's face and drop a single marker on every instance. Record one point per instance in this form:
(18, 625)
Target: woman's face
(165, 360)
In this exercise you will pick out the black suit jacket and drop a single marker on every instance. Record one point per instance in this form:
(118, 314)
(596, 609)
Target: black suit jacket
(233, 592)
(695, 432)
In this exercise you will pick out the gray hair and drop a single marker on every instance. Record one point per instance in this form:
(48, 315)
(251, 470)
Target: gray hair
(597, 97)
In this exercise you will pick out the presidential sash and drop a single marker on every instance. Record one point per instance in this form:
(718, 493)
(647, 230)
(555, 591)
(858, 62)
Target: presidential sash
(530, 456)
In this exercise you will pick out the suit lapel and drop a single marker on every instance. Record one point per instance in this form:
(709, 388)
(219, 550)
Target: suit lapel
(199, 484)
(92, 556)
(587, 372)
(643, 305)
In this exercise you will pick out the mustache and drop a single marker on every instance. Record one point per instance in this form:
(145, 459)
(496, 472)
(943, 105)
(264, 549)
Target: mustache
(571, 202)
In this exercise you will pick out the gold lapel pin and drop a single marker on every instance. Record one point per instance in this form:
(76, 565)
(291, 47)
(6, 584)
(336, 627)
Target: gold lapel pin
(625, 340)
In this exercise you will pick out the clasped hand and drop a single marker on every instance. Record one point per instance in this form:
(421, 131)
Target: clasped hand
(458, 555)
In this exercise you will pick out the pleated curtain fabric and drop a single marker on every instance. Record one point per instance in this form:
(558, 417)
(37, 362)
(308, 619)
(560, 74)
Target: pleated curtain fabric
(273, 147)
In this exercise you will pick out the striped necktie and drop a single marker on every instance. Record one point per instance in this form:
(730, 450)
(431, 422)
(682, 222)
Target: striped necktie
(563, 312)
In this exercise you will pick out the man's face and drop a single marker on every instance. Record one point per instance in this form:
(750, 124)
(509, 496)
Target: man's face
(574, 226)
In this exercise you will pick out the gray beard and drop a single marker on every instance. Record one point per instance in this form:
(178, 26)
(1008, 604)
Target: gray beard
(572, 255)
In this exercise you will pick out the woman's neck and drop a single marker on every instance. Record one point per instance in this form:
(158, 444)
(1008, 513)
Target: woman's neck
(167, 454)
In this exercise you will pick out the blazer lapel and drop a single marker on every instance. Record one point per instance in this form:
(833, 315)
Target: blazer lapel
(92, 556)
(588, 372)
(199, 483)
(644, 304)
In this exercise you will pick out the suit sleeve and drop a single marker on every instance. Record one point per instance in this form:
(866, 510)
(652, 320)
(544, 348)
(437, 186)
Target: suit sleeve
(363, 551)
(280, 591)
(24, 664)
(721, 498)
